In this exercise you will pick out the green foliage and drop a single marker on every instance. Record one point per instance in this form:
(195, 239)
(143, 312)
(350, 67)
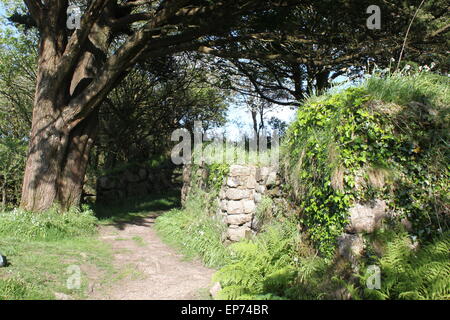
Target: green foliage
(12, 164)
(16, 289)
(217, 172)
(38, 269)
(424, 87)
(194, 230)
(48, 225)
(350, 147)
(17, 83)
(261, 268)
(41, 246)
(408, 270)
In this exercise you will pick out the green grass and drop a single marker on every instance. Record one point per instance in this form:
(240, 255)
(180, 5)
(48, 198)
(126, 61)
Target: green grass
(194, 230)
(41, 247)
(135, 208)
(139, 241)
(39, 269)
(425, 87)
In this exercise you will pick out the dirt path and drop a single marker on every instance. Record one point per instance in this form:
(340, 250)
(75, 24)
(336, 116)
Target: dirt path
(151, 270)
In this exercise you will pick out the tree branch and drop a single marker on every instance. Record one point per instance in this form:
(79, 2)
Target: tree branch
(36, 9)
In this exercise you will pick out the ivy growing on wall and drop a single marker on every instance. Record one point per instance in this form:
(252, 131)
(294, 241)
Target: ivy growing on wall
(350, 147)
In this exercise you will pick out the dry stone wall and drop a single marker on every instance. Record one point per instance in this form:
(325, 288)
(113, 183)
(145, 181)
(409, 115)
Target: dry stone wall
(134, 182)
(243, 189)
(241, 192)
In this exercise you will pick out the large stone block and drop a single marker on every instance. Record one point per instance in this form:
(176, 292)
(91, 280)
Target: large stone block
(271, 178)
(351, 246)
(237, 194)
(235, 207)
(366, 217)
(249, 206)
(239, 219)
(237, 234)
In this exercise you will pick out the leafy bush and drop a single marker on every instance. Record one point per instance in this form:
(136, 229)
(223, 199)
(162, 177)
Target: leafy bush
(48, 225)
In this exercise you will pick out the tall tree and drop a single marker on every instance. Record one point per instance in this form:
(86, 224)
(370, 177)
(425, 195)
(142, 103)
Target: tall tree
(76, 70)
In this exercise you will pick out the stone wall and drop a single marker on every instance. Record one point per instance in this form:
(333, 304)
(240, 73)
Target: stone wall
(239, 196)
(364, 218)
(134, 182)
(242, 190)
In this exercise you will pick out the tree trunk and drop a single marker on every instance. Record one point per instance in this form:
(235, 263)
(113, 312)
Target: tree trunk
(59, 145)
(56, 164)
(71, 179)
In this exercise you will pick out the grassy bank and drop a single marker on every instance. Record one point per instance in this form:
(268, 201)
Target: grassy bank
(40, 248)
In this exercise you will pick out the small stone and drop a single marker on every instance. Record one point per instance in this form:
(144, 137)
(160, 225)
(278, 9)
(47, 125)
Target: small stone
(236, 170)
(351, 246)
(232, 182)
(3, 261)
(215, 289)
(62, 296)
(186, 173)
(256, 224)
(407, 224)
(271, 179)
(223, 205)
(251, 182)
(260, 188)
(257, 197)
(367, 217)
(236, 234)
(262, 173)
(239, 219)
